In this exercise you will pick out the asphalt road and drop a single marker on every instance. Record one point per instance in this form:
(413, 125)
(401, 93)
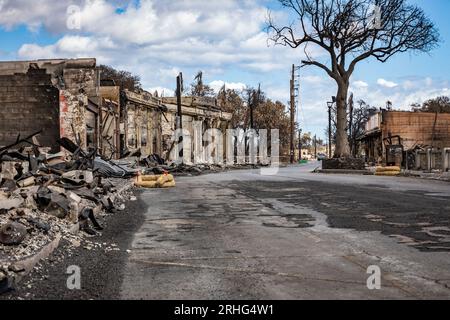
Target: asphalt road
(243, 235)
(294, 235)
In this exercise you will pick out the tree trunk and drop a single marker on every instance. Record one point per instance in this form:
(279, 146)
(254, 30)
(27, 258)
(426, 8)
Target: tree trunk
(342, 144)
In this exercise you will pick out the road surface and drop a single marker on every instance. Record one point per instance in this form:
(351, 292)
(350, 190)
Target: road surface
(294, 235)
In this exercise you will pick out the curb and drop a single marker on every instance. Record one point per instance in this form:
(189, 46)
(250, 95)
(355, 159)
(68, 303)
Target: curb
(27, 264)
(344, 171)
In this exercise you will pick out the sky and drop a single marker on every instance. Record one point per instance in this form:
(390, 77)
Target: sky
(226, 39)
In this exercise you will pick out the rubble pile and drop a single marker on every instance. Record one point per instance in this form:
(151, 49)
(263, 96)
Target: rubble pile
(45, 196)
(155, 165)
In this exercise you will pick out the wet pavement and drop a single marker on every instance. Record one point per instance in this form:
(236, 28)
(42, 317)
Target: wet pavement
(295, 235)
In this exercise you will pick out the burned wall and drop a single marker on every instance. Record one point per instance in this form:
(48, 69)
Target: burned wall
(418, 128)
(195, 110)
(48, 95)
(143, 129)
(79, 85)
(29, 103)
(143, 120)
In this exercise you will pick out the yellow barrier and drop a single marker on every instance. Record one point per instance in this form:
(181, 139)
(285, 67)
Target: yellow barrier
(149, 178)
(388, 169)
(170, 184)
(156, 181)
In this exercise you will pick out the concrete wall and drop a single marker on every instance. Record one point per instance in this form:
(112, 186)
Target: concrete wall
(48, 95)
(29, 103)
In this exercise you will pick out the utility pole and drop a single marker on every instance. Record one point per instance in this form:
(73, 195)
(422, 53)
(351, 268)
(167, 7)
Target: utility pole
(292, 114)
(330, 106)
(253, 102)
(300, 145)
(329, 130)
(350, 125)
(315, 146)
(180, 112)
(295, 92)
(250, 101)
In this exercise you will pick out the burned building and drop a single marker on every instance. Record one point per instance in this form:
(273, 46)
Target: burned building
(151, 122)
(391, 136)
(55, 97)
(67, 98)
(143, 115)
(199, 115)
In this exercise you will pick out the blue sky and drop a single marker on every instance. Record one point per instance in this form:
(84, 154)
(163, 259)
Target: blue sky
(225, 39)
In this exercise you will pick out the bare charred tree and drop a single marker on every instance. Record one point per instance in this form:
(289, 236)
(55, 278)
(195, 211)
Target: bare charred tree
(359, 115)
(199, 89)
(351, 31)
(439, 105)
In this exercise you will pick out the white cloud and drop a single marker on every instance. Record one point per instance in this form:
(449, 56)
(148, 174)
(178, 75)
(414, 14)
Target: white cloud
(71, 47)
(162, 92)
(22, 12)
(278, 93)
(411, 91)
(158, 39)
(314, 80)
(360, 84)
(208, 35)
(409, 84)
(386, 84)
(218, 84)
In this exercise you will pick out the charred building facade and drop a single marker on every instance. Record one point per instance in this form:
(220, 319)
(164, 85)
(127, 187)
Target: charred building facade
(411, 139)
(67, 98)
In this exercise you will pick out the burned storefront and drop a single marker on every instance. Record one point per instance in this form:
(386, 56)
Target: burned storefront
(51, 96)
(401, 138)
(199, 115)
(142, 120)
(151, 124)
(59, 98)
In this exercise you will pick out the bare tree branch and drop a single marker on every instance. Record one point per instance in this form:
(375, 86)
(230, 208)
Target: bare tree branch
(350, 31)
